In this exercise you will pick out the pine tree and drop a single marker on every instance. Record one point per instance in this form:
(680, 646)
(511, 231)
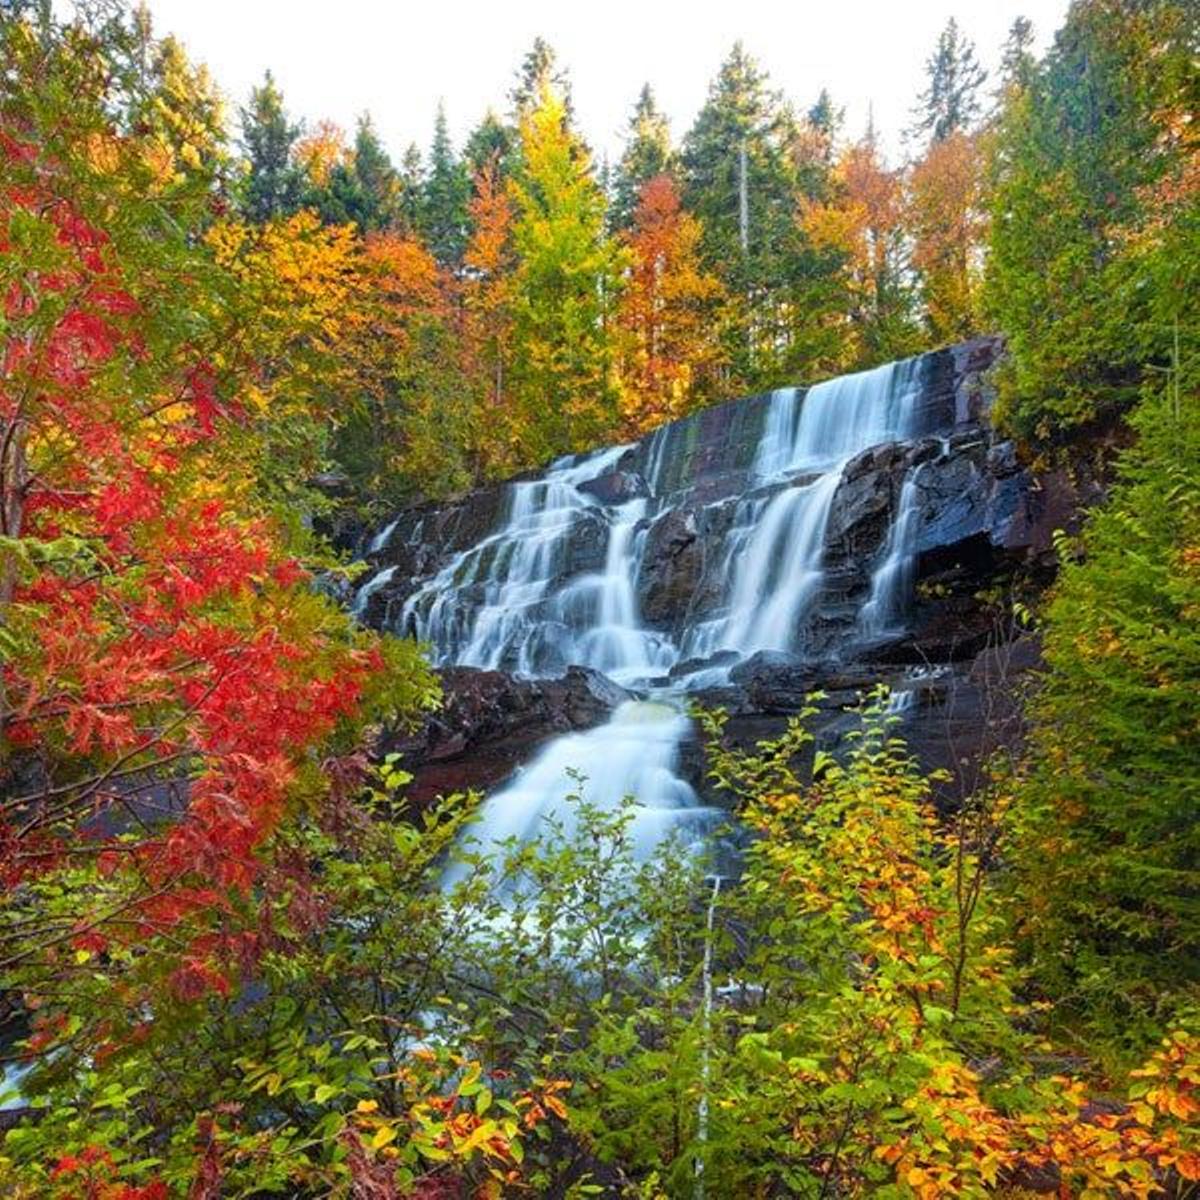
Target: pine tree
(825, 120)
(378, 184)
(1017, 63)
(647, 154)
(445, 197)
(951, 101)
(410, 190)
(1078, 152)
(563, 381)
(273, 186)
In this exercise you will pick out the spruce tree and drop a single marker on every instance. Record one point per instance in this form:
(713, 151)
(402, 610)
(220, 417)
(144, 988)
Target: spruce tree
(445, 197)
(647, 153)
(1017, 63)
(377, 184)
(491, 141)
(951, 101)
(273, 186)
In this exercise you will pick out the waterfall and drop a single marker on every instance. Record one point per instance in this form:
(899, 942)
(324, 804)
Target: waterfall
(555, 584)
(772, 562)
(363, 596)
(381, 539)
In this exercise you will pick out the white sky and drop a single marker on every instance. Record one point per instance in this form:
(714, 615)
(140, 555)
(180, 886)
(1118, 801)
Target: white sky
(397, 58)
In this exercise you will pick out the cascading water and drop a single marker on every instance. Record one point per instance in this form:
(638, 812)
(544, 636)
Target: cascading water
(525, 599)
(773, 555)
(892, 579)
(634, 754)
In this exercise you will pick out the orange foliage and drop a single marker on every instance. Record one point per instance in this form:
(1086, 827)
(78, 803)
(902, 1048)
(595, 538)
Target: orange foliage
(948, 221)
(668, 311)
(317, 153)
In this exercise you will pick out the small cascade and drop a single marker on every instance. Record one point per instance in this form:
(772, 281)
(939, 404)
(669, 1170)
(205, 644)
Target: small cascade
(482, 608)
(363, 596)
(634, 753)
(380, 540)
(892, 580)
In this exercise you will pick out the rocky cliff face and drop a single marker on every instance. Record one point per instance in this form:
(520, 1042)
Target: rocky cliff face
(948, 505)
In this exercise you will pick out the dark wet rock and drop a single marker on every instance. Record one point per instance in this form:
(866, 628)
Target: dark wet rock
(490, 722)
(983, 523)
(616, 487)
(672, 565)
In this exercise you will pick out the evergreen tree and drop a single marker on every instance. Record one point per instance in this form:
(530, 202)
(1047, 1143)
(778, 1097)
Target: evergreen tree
(563, 381)
(1017, 62)
(1077, 154)
(950, 102)
(826, 120)
(445, 197)
(273, 185)
(647, 154)
(490, 142)
(739, 178)
(378, 185)
(410, 191)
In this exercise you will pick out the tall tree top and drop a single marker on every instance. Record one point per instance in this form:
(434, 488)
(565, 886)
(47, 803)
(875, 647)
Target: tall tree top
(950, 102)
(273, 185)
(647, 153)
(539, 68)
(1017, 61)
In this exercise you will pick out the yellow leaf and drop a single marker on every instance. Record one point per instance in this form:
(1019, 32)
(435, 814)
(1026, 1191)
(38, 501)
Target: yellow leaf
(367, 1106)
(383, 1135)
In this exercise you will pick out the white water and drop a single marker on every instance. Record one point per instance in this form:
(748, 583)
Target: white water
(519, 600)
(363, 596)
(634, 754)
(893, 577)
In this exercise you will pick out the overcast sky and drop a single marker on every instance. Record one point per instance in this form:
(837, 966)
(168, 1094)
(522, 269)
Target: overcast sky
(396, 59)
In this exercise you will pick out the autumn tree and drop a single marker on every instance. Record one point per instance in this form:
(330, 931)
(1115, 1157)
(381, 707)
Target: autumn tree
(564, 291)
(862, 298)
(948, 220)
(669, 312)
(317, 153)
(488, 294)
(272, 186)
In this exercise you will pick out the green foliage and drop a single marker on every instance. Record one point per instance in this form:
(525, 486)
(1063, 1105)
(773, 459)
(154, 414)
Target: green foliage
(273, 185)
(563, 383)
(1107, 879)
(1081, 146)
(647, 153)
(950, 103)
(447, 190)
